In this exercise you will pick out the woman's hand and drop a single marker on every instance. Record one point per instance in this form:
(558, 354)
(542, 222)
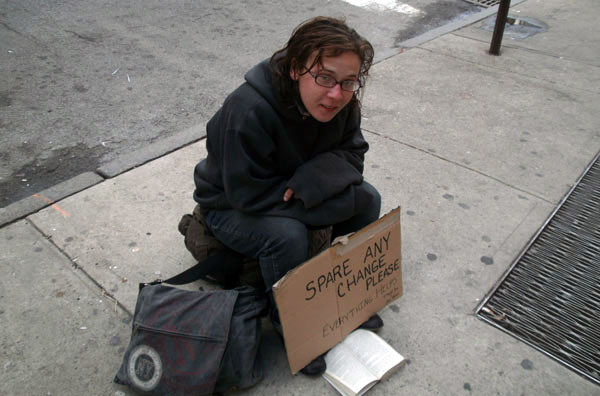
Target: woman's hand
(287, 195)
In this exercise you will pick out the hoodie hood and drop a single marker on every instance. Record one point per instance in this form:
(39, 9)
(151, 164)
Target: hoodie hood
(258, 148)
(260, 77)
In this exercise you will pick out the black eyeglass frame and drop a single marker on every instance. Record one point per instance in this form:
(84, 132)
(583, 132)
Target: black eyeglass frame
(356, 84)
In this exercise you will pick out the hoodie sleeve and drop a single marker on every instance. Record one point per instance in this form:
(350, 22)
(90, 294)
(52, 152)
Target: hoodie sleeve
(250, 180)
(253, 185)
(331, 172)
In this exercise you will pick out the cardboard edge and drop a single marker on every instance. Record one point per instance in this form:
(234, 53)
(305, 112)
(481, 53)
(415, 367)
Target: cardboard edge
(355, 239)
(342, 244)
(346, 242)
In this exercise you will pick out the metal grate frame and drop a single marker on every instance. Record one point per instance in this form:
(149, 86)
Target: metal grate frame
(550, 296)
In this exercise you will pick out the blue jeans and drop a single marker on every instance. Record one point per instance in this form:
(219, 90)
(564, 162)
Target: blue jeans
(279, 243)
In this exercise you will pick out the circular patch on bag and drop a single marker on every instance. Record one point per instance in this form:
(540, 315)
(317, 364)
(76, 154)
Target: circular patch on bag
(144, 367)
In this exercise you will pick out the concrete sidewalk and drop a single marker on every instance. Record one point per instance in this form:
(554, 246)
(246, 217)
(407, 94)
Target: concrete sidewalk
(476, 149)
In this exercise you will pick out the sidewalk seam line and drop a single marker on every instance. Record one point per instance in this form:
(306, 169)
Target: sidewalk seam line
(77, 267)
(527, 49)
(535, 205)
(462, 166)
(508, 72)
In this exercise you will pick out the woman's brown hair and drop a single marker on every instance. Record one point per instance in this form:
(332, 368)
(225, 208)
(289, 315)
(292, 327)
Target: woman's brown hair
(322, 36)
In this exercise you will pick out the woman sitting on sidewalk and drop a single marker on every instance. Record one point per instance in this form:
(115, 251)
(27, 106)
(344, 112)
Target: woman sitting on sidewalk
(286, 153)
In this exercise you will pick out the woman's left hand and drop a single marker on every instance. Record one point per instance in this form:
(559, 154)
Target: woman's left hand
(287, 195)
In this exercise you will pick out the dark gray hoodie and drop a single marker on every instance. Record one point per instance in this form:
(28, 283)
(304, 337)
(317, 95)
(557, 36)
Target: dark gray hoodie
(257, 148)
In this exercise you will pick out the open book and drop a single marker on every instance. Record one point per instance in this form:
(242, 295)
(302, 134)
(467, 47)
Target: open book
(359, 362)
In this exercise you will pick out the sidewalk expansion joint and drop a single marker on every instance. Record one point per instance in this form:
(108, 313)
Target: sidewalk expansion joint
(523, 220)
(512, 72)
(463, 166)
(76, 267)
(526, 49)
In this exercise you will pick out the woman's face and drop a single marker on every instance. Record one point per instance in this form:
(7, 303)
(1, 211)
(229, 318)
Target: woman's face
(324, 103)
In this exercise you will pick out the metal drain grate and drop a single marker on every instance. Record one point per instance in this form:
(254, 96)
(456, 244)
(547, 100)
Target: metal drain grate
(484, 3)
(550, 297)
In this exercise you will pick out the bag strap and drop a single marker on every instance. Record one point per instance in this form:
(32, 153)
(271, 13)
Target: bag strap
(223, 259)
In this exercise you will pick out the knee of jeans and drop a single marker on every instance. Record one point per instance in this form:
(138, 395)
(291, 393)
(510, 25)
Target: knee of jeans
(282, 254)
(376, 207)
(292, 245)
(373, 211)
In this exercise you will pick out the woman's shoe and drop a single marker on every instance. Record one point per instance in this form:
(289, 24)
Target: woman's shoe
(374, 323)
(316, 367)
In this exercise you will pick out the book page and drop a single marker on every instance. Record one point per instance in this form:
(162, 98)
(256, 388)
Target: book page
(373, 352)
(346, 373)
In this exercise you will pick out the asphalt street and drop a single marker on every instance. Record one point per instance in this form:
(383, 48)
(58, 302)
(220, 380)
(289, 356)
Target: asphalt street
(86, 82)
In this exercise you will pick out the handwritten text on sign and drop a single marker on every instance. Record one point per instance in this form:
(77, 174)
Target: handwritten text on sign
(330, 295)
(374, 271)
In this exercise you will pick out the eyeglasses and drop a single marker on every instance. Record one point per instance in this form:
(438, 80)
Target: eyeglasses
(327, 81)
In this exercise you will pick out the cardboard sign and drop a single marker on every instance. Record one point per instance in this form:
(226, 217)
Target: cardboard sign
(330, 295)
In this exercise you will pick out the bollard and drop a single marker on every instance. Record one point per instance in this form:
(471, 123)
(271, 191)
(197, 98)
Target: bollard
(499, 28)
